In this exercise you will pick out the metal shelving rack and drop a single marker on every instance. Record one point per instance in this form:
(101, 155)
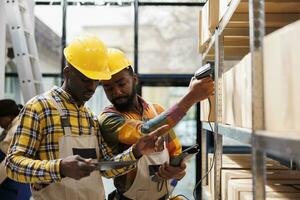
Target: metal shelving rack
(257, 137)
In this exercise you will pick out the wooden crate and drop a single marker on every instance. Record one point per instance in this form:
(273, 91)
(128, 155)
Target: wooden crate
(228, 174)
(237, 186)
(281, 80)
(273, 196)
(247, 174)
(238, 162)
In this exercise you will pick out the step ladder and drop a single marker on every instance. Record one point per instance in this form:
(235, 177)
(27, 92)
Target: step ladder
(20, 24)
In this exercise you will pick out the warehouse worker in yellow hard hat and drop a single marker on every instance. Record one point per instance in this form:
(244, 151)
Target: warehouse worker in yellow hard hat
(58, 142)
(130, 117)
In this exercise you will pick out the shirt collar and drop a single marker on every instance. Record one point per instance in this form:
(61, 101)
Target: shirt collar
(63, 94)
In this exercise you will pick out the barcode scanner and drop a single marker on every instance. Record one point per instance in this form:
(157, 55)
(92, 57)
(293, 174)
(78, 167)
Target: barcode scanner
(204, 71)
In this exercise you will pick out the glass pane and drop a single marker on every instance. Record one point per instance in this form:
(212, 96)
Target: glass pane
(184, 1)
(101, 1)
(98, 101)
(50, 82)
(13, 89)
(167, 39)
(48, 37)
(114, 25)
(186, 128)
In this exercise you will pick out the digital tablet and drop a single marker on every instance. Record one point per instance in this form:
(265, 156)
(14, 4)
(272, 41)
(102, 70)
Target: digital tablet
(107, 165)
(186, 154)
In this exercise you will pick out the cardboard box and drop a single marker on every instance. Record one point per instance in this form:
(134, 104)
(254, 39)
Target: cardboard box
(281, 80)
(204, 33)
(207, 110)
(228, 83)
(237, 96)
(217, 9)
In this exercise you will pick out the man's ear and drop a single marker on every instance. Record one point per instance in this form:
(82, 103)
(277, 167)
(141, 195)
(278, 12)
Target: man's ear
(135, 79)
(67, 71)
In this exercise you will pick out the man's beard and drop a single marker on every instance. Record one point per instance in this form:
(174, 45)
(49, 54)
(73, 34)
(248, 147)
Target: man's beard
(125, 106)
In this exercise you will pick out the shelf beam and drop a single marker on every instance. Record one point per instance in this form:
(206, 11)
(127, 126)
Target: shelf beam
(278, 146)
(242, 135)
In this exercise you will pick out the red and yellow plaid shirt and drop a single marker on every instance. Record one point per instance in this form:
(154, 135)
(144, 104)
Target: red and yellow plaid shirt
(120, 130)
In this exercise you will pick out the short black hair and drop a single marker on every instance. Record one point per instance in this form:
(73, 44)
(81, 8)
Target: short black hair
(8, 107)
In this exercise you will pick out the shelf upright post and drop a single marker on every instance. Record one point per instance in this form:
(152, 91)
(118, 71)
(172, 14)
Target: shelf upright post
(257, 33)
(219, 59)
(204, 164)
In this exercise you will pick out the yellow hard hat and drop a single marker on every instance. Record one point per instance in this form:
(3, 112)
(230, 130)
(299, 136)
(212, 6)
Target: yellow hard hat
(117, 60)
(88, 54)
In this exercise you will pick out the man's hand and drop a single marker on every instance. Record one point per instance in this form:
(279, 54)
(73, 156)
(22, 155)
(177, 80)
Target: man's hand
(167, 171)
(198, 91)
(76, 167)
(149, 143)
(201, 89)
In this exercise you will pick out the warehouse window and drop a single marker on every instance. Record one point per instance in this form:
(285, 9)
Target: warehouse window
(48, 37)
(167, 97)
(113, 24)
(167, 42)
(185, 129)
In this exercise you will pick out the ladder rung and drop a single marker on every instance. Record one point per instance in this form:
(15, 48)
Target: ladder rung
(31, 56)
(37, 82)
(27, 32)
(22, 7)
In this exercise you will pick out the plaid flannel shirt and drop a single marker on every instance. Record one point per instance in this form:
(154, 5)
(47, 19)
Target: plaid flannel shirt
(34, 152)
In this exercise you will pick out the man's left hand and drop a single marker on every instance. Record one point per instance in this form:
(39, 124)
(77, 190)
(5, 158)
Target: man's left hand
(167, 171)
